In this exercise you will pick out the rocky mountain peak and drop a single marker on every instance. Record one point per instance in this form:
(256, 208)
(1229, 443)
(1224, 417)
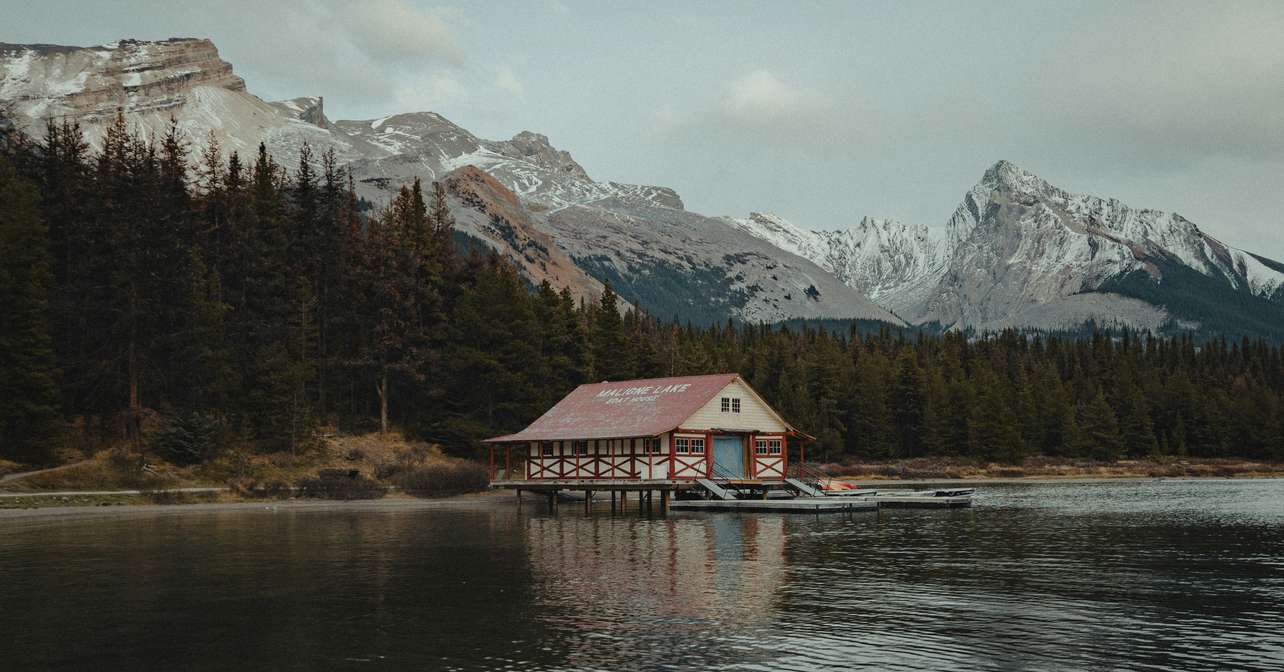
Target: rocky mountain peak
(1007, 176)
(310, 109)
(536, 148)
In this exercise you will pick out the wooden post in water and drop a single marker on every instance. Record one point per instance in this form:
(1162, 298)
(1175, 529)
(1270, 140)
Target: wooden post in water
(612, 501)
(664, 502)
(552, 501)
(588, 501)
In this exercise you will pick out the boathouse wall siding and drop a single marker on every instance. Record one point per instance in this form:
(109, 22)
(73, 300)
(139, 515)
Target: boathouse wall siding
(606, 458)
(753, 416)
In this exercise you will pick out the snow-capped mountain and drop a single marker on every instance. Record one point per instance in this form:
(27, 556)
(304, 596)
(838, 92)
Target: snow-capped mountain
(1020, 252)
(638, 237)
(894, 263)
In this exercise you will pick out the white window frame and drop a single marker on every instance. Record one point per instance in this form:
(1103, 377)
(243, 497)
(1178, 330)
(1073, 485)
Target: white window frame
(682, 445)
(580, 448)
(735, 404)
(697, 446)
(651, 446)
(767, 446)
(547, 448)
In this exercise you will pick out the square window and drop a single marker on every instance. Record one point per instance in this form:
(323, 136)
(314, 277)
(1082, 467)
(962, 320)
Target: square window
(546, 448)
(682, 446)
(697, 446)
(651, 446)
(774, 445)
(760, 447)
(579, 447)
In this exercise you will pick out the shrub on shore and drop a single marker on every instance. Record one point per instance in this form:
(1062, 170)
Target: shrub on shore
(340, 484)
(444, 478)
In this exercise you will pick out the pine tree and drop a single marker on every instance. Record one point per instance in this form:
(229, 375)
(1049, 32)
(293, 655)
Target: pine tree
(1137, 431)
(1099, 434)
(993, 430)
(907, 404)
(610, 356)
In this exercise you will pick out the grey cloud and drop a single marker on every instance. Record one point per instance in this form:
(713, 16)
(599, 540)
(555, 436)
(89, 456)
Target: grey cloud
(1171, 82)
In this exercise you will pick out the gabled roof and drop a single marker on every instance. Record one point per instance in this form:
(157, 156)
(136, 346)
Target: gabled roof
(623, 409)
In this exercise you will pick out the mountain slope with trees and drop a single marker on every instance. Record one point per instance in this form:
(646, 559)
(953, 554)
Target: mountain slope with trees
(144, 288)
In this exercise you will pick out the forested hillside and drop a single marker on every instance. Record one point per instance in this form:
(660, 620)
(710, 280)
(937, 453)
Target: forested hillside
(233, 302)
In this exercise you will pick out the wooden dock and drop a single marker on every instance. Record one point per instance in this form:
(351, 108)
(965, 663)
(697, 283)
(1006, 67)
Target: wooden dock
(795, 505)
(680, 495)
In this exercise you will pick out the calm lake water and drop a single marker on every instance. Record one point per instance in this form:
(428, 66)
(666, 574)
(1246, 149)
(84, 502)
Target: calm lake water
(1140, 575)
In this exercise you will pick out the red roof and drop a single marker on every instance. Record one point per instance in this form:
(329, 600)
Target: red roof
(623, 409)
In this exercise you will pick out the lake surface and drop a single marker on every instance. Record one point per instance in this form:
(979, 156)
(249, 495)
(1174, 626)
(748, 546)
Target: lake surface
(1154, 575)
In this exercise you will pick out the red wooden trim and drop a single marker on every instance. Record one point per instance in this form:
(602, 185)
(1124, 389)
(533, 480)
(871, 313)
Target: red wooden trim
(672, 454)
(753, 452)
(708, 454)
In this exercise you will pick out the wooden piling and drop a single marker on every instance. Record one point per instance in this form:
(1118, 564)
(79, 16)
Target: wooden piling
(588, 501)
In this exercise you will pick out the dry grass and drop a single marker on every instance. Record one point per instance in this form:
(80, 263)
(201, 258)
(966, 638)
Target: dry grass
(1048, 467)
(379, 457)
(9, 467)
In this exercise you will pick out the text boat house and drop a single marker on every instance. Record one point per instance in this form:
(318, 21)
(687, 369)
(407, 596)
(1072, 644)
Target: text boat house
(658, 429)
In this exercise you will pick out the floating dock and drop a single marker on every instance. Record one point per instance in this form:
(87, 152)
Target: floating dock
(795, 505)
(922, 501)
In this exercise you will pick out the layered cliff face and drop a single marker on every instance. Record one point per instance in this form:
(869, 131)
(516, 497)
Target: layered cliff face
(92, 83)
(153, 82)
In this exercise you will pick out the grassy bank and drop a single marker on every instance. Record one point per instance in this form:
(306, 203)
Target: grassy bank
(338, 466)
(1052, 468)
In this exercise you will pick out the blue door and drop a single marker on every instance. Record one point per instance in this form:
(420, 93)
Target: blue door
(728, 457)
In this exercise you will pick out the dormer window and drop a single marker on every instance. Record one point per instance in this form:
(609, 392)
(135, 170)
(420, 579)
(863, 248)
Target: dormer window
(731, 404)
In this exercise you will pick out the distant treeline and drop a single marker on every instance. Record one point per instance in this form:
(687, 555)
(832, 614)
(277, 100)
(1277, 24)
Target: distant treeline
(233, 303)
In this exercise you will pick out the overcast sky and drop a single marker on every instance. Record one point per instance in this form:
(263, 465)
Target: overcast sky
(820, 112)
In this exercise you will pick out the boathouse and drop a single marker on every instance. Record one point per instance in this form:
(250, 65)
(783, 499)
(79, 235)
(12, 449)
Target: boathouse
(683, 429)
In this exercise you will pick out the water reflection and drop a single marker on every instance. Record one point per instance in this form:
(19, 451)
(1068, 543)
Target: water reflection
(613, 586)
(1152, 575)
